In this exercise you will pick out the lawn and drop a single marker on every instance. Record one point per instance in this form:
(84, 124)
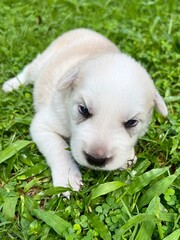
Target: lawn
(141, 203)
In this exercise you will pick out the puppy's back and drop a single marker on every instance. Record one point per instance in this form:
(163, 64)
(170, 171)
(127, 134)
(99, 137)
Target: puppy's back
(64, 53)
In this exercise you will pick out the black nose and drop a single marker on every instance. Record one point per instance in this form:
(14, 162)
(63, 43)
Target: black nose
(96, 160)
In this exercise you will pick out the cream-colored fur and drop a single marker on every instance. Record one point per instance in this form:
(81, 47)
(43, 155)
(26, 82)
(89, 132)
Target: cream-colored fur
(87, 91)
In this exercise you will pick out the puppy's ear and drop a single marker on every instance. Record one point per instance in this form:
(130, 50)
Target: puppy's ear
(160, 104)
(69, 79)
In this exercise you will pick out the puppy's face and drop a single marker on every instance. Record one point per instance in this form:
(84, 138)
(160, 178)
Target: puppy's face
(110, 106)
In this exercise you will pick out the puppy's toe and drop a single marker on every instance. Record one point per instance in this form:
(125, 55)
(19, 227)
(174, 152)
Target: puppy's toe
(75, 179)
(132, 161)
(66, 194)
(71, 179)
(10, 85)
(75, 182)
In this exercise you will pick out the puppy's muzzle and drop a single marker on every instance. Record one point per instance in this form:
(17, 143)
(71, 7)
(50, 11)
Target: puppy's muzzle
(95, 160)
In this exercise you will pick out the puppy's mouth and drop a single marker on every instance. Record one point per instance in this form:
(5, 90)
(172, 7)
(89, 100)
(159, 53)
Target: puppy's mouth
(101, 163)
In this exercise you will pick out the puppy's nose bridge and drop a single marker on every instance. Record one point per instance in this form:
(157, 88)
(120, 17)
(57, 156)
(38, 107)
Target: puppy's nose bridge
(99, 153)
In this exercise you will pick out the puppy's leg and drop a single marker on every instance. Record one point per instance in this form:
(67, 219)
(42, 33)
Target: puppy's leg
(15, 82)
(64, 170)
(26, 76)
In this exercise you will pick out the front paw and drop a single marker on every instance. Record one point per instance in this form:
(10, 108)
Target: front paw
(75, 179)
(11, 84)
(70, 178)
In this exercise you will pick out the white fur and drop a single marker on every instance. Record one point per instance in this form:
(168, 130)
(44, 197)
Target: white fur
(82, 67)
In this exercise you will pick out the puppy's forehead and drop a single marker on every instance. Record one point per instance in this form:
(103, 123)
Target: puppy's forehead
(113, 69)
(115, 80)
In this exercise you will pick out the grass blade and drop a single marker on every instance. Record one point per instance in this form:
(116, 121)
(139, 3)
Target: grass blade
(105, 188)
(157, 189)
(146, 229)
(171, 99)
(10, 207)
(135, 220)
(142, 166)
(143, 180)
(99, 226)
(50, 192)
(32, 171)
(57, 223)
(168, 216)
(173, 236)
(13, 149)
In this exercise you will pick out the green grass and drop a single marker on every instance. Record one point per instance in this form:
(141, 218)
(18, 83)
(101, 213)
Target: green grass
(137, 204)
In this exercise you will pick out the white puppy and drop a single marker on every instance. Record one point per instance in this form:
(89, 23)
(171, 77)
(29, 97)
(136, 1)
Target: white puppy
(91, 96)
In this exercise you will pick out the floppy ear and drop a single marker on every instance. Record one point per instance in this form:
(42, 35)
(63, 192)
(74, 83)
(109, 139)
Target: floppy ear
(160, 104)
(69, 79)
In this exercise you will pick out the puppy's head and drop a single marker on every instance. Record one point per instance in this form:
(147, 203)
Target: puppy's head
(111, 99)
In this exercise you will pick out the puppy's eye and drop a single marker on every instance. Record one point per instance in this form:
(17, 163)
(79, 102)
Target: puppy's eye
(131, 123)
(84, 111)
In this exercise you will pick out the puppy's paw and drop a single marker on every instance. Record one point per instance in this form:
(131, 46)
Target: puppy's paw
(75, 179)
(11, 84)
(132, 162)
(72, 178)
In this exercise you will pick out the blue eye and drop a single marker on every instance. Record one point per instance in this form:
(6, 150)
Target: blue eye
(84, 111)
(131, 123)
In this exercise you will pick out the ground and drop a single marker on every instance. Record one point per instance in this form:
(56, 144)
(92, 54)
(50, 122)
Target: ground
(134, 204)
